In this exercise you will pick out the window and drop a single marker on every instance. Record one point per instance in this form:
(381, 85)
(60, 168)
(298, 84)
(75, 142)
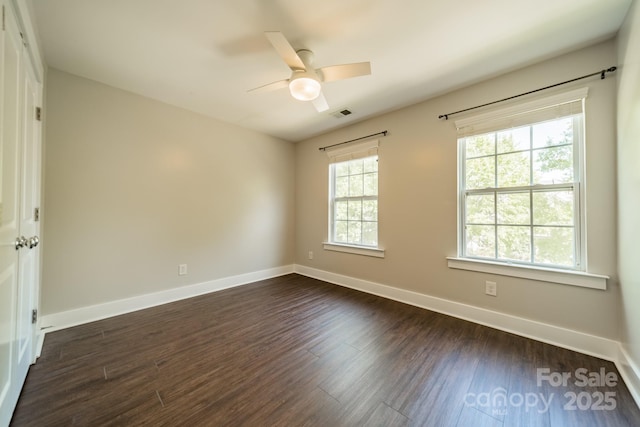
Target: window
(353, 199)
(354, 202)
(520, 184)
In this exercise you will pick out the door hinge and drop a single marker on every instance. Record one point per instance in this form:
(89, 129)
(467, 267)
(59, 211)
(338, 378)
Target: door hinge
(34, 315)
(39, 114)
(3, 27)
(36, 214)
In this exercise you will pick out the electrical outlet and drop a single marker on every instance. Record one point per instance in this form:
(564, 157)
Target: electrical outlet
(310, 254)
(182, 270)
(491, 288)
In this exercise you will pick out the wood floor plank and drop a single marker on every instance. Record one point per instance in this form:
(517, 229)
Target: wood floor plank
(472, 417)
(385, 416)
(296, 351)
(531, 410)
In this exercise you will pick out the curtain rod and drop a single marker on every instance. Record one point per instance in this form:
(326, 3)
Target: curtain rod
(601, 73)
(384, 133)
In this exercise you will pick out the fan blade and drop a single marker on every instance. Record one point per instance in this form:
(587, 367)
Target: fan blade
(344, 71)
(281, 84)
(320, 103)
(285, 50)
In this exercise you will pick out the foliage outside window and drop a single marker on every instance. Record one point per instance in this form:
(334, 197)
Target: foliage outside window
(354, 202)
(520, 193)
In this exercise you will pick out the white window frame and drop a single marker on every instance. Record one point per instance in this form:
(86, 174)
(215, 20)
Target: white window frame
(517, 115)
(352, 151)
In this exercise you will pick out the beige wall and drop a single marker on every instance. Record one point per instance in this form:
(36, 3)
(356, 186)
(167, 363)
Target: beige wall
(418, 202)
(135, 187)
(629, 181)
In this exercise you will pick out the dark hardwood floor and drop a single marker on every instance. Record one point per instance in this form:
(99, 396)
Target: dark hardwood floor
(294, 351)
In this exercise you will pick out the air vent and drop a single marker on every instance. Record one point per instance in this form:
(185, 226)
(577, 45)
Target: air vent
(342, 113)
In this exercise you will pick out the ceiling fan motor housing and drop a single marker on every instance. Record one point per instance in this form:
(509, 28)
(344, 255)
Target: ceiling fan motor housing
(304, 85)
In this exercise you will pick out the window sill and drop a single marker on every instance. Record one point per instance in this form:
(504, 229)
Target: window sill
(565, 277)
(358, 250)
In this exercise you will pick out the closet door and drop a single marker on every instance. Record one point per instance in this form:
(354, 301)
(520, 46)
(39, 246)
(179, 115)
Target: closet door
(20, 138)
(28, 258)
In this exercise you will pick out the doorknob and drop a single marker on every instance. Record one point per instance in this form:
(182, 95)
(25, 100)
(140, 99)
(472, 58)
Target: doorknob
(33, 242)
(20, 242)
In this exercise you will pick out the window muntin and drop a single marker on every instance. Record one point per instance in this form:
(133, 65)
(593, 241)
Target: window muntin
(354, 202)
(520, 194)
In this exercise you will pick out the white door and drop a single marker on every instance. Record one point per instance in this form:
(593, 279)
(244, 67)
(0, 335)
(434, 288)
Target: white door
(29, 226)
(19, 191)
(10, 144)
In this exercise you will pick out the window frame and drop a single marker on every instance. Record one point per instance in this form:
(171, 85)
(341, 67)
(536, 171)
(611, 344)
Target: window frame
(485, 123)
(353, 151)
(577, 187)
(333, 199)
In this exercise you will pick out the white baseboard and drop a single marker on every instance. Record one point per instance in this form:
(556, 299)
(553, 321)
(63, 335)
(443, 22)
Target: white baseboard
(56, 321)
(630, 373)
(562, 337)
(39, 343)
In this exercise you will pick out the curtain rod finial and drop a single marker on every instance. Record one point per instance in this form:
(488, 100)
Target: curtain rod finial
(608, 70)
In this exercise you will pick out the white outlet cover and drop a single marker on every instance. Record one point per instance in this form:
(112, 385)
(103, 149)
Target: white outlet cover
(490, 288)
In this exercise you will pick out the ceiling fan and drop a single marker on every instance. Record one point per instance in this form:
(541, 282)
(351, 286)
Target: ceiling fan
(305, 81)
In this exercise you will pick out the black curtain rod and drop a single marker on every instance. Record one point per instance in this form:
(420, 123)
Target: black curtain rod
(384, 133)
(601, 73)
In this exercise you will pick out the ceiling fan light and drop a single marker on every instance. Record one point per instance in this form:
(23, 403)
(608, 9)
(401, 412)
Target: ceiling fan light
(304, 88)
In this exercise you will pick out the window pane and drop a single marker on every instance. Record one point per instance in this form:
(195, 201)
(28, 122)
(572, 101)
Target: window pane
(513, 169)
(342, 169)
(342, 186)
(480, 240)
(514, 243)
(554, 245)
(513, 208)
(480, 145)
(370, 210)
(355, 185)
(553, 208)
(480, 173)
(341, 210)
(354, 203)
(355, 232)
(355, 210)
(341, 231)
(370, 233)
(356, 166)
(371, 184)
(514, 140)
(480, 209)
(370, 164)
(553, 165)
(554, 132)
(535, 223)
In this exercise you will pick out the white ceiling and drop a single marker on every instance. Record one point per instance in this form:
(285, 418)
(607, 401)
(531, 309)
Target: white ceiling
(203, 55)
